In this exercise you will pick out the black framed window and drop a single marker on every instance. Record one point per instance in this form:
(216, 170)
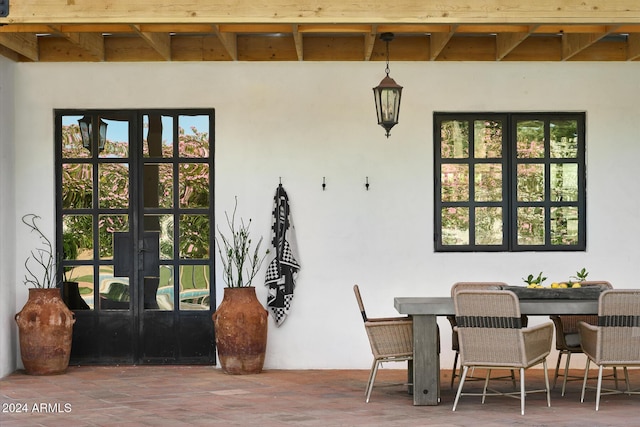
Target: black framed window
(510, 182)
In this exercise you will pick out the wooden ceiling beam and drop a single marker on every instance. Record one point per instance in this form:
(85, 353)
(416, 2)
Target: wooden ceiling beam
(572, 44)
(24, 28)
(137, 12)
(229, 41)
(633, 47)
(175, 28)
(306, 29)
(335, 29)
(370, 41)
(91, 42)
(8, 53)
(26, 44)
(255, 28)
(160, 42)
(438, 41)
(626, 29)
(413, 28)
(506, 42)
(570, 29)
(299, 42)
(495, 28)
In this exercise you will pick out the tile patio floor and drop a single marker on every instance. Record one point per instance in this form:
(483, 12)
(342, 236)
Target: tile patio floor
(204, 395)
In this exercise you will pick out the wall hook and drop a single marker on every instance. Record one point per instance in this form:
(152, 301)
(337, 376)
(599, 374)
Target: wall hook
(324, 184)
(367, 183)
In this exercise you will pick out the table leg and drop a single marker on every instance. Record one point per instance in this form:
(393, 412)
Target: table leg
(410, 376)
(426, 360)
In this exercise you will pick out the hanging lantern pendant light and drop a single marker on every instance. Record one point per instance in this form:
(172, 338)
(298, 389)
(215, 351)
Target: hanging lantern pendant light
(387, 95)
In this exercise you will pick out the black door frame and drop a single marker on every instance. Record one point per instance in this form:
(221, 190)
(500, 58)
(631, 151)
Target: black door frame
(139, 335)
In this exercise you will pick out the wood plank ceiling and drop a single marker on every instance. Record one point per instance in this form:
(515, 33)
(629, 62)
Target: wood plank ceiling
(319, 30)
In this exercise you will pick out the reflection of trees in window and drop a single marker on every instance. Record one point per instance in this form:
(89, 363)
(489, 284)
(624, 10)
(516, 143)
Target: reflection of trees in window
(563, 139)
(521, 189)
(455, 139)
(488, 139)
(488, 182)
(531, 226)
(530, 134)
(113, 185)
(530, 182)
(564, 226)
(77, 183)
(455, 226)
(77, 231)
(113, 191)
(455, 182)
(194, 236)
(194, 185)
(193, 144)
(488, 226)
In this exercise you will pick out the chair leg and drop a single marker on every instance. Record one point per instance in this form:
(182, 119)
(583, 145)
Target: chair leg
(555, 377)
(460, 385)
(626, 380)
(584, 382)
(566, 373)
(546, 382)
(486, 385)
(599, 387)
(455, 368)
(513, 378)
(372, 378)
(522, 391)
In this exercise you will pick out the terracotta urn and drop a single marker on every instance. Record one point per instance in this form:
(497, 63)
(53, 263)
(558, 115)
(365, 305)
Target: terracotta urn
(240, 326)
(45, 325)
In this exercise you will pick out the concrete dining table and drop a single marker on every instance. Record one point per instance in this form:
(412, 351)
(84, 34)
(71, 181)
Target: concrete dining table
(426, 360)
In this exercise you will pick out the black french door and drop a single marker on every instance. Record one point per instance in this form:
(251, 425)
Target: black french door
(134, 194)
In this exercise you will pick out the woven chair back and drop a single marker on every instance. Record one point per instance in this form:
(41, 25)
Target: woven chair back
(489, 327)
(478, 286)
(619, 321)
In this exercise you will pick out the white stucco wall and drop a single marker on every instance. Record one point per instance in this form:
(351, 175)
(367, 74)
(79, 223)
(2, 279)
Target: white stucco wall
(305, 121)
(8, 334)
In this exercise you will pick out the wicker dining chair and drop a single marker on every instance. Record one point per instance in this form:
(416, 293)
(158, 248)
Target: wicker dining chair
(615, 341)
(491, 337)
(391, 340)
(455, 346)
(568, 339)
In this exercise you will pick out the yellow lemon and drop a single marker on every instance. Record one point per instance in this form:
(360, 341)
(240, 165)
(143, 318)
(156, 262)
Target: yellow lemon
(576, 285)
(563, 285)
(555, 285)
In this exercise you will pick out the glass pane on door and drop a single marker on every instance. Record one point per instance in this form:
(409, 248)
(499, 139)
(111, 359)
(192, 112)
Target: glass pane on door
(194, 136)
(194, 287)
(157, 138)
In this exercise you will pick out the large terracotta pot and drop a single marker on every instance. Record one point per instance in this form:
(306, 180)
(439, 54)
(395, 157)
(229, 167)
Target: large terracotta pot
(46, 328)
(240, 325)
